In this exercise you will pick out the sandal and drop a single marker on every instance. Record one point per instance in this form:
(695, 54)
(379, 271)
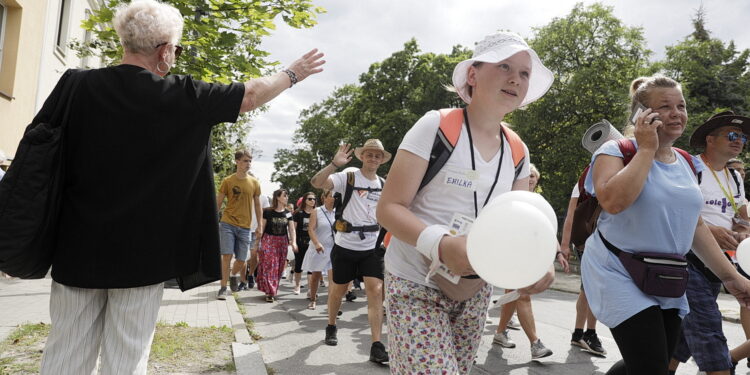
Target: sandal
(311, 305)
(269, 298)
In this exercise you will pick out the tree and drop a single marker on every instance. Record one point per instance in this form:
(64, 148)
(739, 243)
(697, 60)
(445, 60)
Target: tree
(594, 58)
(714, 75)
(390, 97)
(222, 44)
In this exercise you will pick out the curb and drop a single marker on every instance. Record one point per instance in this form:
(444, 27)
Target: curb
(247, 356)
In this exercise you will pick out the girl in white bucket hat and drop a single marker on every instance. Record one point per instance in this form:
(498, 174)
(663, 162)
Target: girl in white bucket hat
(433, 323)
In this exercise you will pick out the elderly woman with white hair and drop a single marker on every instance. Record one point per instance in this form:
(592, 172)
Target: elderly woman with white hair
(138, 204)
(434, 324)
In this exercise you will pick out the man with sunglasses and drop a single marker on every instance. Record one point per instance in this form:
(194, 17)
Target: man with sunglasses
(722, 137)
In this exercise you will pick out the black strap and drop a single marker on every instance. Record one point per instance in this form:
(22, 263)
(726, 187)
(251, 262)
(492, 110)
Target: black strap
(366, 228)
(333, 228)
(473, 164)
(608, 245)
(736, 181)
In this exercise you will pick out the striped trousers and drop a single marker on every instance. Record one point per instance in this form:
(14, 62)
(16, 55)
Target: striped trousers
(116, 323)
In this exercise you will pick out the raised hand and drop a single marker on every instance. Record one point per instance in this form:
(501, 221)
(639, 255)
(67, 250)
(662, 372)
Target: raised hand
(645, 130)
(307, 65)
(343, 155)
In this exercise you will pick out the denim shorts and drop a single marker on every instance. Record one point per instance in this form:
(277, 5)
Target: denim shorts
(234, 240)
(702, 336)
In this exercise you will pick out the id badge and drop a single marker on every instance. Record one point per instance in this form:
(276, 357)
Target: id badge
(460, 224)
(466, 179)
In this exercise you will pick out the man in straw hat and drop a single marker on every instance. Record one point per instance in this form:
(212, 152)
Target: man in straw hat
(354, 253)
(722, 137)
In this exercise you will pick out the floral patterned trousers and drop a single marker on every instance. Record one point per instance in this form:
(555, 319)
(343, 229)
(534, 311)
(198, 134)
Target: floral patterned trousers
(429, 333)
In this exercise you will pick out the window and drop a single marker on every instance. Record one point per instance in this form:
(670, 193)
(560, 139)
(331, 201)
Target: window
(61, 41)
(3, 17)
(86, 41)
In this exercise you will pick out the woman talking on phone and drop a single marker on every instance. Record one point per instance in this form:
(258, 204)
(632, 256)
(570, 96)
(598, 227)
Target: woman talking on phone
(634, 271)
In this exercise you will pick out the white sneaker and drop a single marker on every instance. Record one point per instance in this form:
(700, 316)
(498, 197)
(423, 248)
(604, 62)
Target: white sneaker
(513, 323)
(503, 340)
(538, 350)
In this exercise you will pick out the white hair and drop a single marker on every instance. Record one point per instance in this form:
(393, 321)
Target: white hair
(144, 24)
(533, 170)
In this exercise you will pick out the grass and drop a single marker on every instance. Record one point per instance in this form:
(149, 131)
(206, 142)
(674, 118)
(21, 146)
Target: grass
(21, 351)
(176, 349)
(248, 322)
(180, 348)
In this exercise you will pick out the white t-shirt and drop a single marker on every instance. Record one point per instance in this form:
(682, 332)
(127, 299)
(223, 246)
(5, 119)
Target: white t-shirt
(575, 193)
(717, 210)
(360, 210)
(446, 195)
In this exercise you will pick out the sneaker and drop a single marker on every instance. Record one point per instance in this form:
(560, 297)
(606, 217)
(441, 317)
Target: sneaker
(538, 350)
(222, 295)
(242, 286)
(502, 339)
(250, 282)
(331, 335)
(577, 340)
(378, 353)
(513, 323)
(234, 282)
(594, 344)
(350, 296)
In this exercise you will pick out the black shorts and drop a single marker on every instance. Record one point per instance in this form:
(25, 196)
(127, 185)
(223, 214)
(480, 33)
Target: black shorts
(350, 264)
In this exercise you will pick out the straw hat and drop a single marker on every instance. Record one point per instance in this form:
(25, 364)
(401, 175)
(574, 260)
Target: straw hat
(372, 144)
(498, 47)
(726, 118)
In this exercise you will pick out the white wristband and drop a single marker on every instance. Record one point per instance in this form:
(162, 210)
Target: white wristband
(428, 244)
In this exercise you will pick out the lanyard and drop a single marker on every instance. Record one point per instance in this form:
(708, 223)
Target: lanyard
(473, 164)
(323, 209)
(728, 195)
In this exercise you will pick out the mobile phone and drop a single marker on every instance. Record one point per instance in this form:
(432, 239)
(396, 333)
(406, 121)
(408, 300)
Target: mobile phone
(639, 108)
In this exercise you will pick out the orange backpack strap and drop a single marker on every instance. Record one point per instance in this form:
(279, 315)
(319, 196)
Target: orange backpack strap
(517, 149)
(451, 122)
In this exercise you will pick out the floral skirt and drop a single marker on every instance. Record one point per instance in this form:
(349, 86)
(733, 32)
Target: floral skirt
(271, 262)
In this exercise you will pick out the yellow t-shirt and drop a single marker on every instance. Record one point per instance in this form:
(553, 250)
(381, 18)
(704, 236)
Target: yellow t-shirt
(239, 193)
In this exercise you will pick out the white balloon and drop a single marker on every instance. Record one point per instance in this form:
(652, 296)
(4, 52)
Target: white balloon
(534, 199)
(743, 255)
(511, 245)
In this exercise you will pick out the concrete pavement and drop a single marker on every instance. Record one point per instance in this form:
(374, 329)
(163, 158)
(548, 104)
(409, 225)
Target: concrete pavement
(292, 340)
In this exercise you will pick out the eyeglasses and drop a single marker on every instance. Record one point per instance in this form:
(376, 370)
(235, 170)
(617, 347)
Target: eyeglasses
(311, 199)
(177, 49)
(733, 136)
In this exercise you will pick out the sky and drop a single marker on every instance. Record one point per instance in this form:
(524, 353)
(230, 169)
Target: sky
(356, 34)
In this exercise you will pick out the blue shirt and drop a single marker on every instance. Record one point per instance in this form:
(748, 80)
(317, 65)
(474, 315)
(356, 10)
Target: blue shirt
(662, 219)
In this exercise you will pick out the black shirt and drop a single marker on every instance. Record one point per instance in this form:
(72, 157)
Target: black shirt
(276, 222)
(302, 221)
(138, 204)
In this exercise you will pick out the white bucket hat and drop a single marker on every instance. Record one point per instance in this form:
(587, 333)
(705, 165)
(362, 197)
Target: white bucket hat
(498, 47)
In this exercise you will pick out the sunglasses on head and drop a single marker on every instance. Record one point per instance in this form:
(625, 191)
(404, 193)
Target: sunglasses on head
(177, 49)
(733, 136)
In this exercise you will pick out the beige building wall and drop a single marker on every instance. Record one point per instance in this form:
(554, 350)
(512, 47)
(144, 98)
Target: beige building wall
(45, 27)
(19, 68)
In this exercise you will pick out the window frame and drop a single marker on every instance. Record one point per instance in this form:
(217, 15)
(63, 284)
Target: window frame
(3, 23)
(63, 27)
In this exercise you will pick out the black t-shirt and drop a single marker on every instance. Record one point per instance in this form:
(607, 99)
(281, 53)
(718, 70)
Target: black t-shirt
(302, 221)
(276, 222)
(138, 189)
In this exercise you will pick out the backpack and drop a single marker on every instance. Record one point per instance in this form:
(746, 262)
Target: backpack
(588, 209)
(340, 203)
(446, 139)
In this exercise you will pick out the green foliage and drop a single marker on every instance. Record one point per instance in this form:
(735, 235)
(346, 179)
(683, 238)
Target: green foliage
(594, 58)
(714, 76)
(390, 97)
(222, 44)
